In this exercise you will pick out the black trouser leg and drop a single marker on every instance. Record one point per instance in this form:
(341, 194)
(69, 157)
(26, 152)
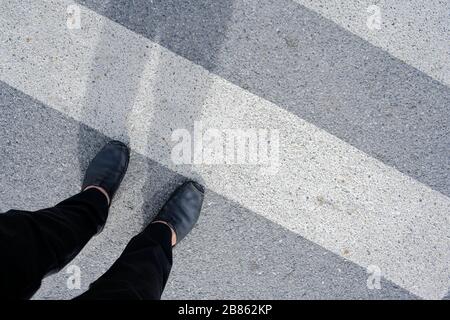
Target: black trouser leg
(35, 244)
(141, 271)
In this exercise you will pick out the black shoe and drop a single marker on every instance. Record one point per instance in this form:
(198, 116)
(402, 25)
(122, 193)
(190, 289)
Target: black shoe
(182, 210)
(108, 168)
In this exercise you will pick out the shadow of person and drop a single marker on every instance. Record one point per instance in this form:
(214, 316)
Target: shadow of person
(140, 93)
(193, 30)
(113, 82)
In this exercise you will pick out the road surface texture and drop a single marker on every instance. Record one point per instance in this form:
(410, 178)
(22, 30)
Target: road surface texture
(358, 206)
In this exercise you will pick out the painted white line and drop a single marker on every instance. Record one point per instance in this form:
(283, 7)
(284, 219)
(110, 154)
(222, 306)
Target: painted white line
(416, 32)
(327, 191)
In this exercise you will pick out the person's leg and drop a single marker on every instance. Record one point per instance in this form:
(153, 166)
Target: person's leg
(34, 244)
(142, 270)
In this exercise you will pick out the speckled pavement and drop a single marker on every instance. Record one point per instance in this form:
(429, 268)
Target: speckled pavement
(362, 181)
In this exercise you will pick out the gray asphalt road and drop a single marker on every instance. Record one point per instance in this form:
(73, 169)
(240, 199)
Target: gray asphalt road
(364, 141)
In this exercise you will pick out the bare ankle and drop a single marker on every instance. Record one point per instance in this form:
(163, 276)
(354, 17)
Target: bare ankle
(101, 190)
(174, 235)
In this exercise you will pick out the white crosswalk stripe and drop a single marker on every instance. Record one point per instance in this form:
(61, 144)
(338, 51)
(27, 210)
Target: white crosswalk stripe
(325, 190)
(413, 31)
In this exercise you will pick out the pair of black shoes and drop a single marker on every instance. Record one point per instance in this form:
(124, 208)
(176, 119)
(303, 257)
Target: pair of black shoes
(180, 212)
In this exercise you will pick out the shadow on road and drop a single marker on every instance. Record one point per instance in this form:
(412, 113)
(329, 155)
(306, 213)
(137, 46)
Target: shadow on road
(117, 69)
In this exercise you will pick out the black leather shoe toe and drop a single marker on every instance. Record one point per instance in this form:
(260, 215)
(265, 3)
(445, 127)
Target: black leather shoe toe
(183, 208)
(108, 167)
